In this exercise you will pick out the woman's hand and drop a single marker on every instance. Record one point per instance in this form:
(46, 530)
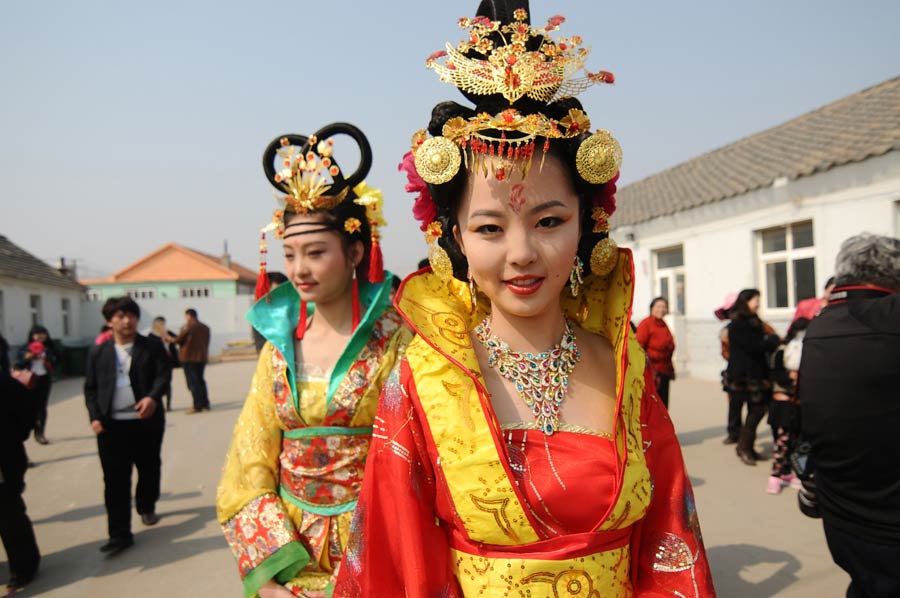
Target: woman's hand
(270, 589)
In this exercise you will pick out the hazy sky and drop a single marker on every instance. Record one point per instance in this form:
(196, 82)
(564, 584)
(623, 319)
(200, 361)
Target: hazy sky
(126, 125)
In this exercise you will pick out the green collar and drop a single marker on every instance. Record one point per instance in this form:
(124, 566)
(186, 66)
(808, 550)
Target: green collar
(275, 317)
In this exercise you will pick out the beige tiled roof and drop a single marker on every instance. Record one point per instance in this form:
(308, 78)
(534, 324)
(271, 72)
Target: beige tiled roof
(860, 126)
(18, 264)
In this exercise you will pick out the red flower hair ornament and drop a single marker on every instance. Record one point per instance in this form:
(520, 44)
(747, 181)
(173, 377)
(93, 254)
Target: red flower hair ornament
(606, 198)
(424, 208)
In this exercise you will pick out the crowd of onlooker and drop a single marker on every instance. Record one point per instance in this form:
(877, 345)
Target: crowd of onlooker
(831, 389)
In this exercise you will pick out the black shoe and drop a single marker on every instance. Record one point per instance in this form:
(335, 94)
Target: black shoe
(149, 518)
(40, 438)
(117, 545)
(730, 440)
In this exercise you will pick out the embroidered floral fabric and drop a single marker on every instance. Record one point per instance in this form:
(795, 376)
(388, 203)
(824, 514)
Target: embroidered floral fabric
(258, 531)
(279, 463)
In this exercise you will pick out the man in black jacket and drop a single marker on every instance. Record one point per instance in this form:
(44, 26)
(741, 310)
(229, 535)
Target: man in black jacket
(123, 389)
(16, 531)
(849, 388)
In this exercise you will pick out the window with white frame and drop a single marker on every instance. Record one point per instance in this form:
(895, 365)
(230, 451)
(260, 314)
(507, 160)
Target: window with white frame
(787, 264)
(669, 275)
(34, 306)
(141, 293)
(92, 296)
(66, 308)
(190, 292)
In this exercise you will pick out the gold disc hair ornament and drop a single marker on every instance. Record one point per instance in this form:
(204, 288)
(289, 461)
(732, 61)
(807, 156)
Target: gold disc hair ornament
(604, 257)
(598, 158)
(437, 160)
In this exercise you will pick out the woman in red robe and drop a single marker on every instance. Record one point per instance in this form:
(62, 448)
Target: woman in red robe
(520, 447)
(654, 336)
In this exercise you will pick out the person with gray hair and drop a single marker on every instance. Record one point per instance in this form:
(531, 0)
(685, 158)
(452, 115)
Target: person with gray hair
(868, 259)
(849, 387)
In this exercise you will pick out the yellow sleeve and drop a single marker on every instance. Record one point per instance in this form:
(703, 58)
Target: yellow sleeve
(256, 525)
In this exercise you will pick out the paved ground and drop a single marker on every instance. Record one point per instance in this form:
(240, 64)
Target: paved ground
(759, 545)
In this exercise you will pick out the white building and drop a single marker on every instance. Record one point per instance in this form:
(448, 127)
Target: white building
(33, 292)
(768, 212)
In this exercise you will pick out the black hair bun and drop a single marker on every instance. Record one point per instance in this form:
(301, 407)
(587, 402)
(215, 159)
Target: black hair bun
(443, 112)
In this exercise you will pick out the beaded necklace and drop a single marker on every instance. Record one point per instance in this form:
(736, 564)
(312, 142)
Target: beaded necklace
(541, 380)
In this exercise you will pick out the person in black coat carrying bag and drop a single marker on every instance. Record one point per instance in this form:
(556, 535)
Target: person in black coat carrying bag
(123, 390)
(849, 387)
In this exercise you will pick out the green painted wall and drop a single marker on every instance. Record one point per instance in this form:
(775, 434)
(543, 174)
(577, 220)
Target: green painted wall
(170, 290)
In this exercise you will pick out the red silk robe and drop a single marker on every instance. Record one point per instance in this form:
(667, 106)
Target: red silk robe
(453, 505)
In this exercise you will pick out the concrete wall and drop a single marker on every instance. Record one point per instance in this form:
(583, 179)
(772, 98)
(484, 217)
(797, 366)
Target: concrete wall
(16, 310)
(223, 315)
(719, 243)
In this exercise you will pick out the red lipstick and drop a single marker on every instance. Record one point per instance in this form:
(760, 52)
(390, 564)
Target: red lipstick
(524, 285)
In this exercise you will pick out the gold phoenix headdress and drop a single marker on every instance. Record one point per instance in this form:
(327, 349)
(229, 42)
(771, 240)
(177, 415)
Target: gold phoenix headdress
(514, 61)
(507, 67)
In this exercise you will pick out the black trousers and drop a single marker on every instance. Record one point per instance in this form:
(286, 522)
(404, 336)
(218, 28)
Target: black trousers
(874, 568)
(124, 445)
(167, 395)
(755, 413)
(662, 387)
(41, 396)
(17, 533)
(193, 374)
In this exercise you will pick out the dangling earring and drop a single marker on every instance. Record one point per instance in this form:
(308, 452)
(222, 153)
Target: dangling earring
(301, 322)
(355, 300)
(576, 276)
(473, 292)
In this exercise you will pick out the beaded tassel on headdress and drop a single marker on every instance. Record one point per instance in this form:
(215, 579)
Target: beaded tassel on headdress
(262, 280)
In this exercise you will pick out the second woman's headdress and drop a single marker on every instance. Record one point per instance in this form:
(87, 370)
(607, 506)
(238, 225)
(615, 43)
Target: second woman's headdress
(309, 179)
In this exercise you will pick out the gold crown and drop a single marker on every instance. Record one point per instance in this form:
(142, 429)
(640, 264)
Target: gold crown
(303, 176)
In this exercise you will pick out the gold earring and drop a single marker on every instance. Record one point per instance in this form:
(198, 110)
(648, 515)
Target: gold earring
(604, 257)
(576, 276)
(473, 292)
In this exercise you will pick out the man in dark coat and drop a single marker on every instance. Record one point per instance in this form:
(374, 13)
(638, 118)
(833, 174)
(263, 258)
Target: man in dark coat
(16, 531)
(849, 388)
(123, 389)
